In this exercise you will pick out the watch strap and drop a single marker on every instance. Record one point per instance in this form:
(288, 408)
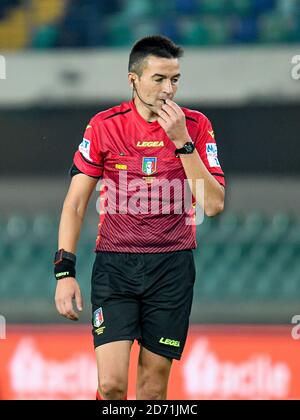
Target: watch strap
(61, 255)
(187, 149)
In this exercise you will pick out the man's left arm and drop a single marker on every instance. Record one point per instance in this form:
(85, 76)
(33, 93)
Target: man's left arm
(172, 120)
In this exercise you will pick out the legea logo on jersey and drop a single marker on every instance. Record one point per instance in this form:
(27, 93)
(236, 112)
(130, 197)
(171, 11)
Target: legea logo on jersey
(149, 165)
(212, 154)
(84, 149)
(150, 144)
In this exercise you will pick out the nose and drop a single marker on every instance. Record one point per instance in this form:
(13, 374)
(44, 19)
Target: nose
(167, 87)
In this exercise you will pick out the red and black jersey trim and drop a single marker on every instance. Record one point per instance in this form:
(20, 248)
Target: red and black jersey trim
(118, 113)
(221, 182)
(89, 162)
(75, 171)
(191, 119)
(216, 174)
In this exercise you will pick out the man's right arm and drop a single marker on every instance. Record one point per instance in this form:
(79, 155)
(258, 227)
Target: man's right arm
(72, 216)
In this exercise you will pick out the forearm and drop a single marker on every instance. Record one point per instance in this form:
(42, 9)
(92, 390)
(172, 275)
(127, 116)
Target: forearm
(73, 212)
(173, 121)
(70, 226)
(211, 196)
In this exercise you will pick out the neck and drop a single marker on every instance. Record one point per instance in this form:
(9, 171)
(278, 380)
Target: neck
(144, 110)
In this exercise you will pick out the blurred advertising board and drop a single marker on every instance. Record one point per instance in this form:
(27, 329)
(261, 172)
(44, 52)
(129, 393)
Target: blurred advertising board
(219, 362)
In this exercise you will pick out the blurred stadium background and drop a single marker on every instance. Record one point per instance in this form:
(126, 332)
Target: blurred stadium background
(63, 61)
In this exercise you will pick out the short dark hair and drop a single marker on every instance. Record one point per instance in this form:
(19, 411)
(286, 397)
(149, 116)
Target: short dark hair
(157, 45)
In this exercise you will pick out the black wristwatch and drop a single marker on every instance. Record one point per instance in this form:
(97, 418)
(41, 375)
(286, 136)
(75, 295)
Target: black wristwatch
(187, 149)
(61, 255)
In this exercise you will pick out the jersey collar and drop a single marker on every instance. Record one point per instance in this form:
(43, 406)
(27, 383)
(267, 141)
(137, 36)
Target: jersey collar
(147, 125)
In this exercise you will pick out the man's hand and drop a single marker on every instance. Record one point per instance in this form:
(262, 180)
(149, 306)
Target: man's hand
(68, 289)
(172, 120)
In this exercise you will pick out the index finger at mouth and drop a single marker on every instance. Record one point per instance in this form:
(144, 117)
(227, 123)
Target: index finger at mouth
(173, 105)
(169, 110)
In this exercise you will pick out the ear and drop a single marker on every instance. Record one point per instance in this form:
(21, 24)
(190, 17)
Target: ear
(131, 79)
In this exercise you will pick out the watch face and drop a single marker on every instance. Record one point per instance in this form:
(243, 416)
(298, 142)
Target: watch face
(189, 147)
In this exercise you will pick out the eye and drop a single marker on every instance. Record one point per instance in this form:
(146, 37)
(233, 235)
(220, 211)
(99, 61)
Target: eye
(174, 81)
(159, 80)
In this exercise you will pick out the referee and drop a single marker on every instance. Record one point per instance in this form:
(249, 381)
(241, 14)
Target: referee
(144, 273)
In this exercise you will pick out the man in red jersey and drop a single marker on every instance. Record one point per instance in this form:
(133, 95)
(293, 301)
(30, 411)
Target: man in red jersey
(144, 151)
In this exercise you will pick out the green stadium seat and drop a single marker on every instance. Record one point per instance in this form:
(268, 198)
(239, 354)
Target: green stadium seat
(272, 28)
(227, 226)
(240, 7)
(277, 228)
(209, 284)
(214, 7)
(208, 224)
(45, 37)
(218, 30)
(17, 227)
(43, 227)
(252, 228)
(255, 258)
(144, 28)
(162, 8)
(293, 236)
(136, 9)
(238, 281)
(119, 34)
(291, 280)
(193, 32)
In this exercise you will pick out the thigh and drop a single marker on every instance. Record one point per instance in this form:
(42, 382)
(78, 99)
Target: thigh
(114, 301)
(166, 303)
(113, 362)
(152, 376)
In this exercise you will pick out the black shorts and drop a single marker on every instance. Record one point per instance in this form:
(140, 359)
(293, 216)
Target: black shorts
(147, 297)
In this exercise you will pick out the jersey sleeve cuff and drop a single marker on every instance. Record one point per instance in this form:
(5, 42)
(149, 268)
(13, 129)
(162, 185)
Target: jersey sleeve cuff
(86, 167)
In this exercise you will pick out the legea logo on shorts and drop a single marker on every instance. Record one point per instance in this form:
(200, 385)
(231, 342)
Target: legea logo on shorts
(169, 342)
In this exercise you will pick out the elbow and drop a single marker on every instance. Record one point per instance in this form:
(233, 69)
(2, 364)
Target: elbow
(74, 208)
(215, 209)
(215, 206)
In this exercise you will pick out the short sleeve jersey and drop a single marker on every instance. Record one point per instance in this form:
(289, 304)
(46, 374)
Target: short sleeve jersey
(145, 201)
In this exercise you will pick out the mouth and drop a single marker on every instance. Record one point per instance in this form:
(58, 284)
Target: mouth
(162, 101)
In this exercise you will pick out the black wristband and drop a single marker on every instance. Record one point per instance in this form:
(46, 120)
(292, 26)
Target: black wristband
(65, 268)
(61, 255)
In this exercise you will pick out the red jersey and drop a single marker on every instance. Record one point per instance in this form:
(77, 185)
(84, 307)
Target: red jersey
(143, 191)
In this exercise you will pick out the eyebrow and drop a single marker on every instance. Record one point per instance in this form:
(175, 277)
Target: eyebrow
(163, 76)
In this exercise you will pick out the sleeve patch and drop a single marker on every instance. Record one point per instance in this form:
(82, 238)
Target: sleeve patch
(84, 149)
(212, 155)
